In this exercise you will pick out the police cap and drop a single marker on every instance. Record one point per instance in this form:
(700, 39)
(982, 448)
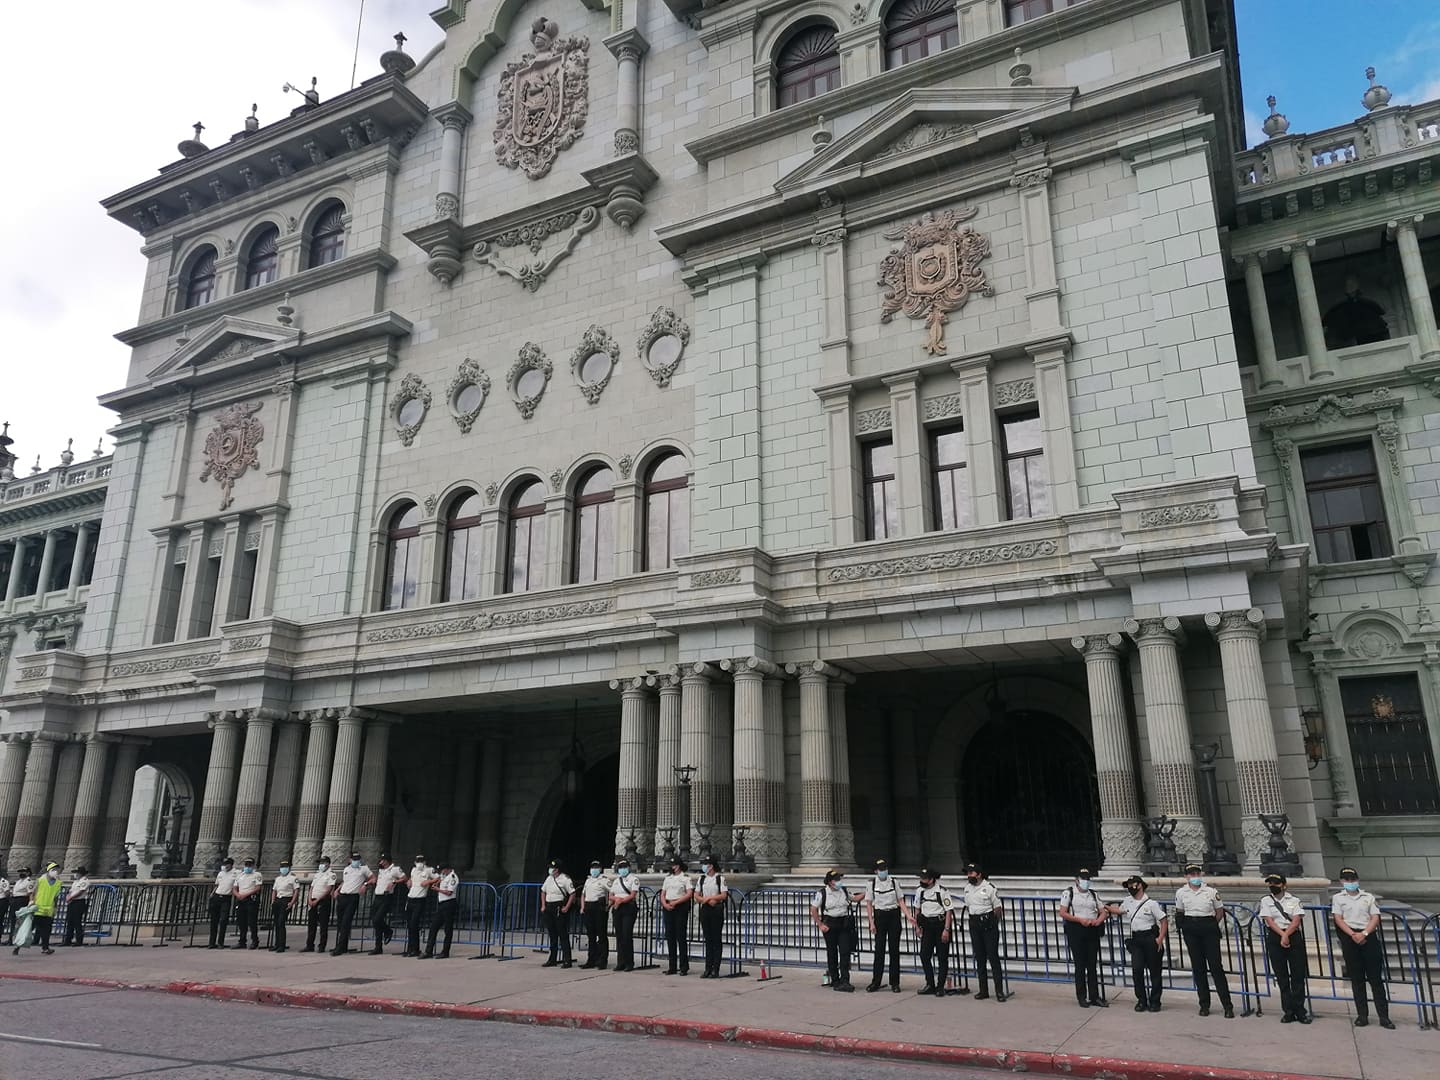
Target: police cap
(1274, 879)
(356, 855)
(926, 874)
(971, 868)
(1083, 875)
(596, 864)
(228, 862)
(554, 864)
(1134, 879)
(881, 864)
(1349, 872)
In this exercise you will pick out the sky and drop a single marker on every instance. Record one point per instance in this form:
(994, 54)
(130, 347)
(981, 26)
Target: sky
(134, 77)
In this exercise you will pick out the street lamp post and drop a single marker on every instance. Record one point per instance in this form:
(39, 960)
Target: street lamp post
(685, 773)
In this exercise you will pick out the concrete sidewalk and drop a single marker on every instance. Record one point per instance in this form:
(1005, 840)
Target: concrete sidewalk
(1039, 1030)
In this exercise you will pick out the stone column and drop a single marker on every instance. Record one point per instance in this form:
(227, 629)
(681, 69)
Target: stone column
(980, 438)
(1417, 289)
(315, 787)
(284, 790)
(254, 779)
(1312, 326)
(34, 803)
(344, 780)
(486, 862)
(630, 811)
(214, 825)
(1167, 723)
(62, 802)
(85, 828)
(1337, 740)
(759, 793)
(912, 485)
(462, 836)
(818, 834)
(454, 119)
(648, 769)
(12, 585)
(628, 47)
(12, 782)
(667, 757)
(775, 767)
(47, 563)
(77, 561)
(1252, 732)
(840, 768)
(696, 748)
(117, 806)
(1121, 833)
(1270, 374)
(905, 783)
(722, 754)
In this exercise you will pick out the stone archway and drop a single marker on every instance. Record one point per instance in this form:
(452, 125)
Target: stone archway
(575, 833)
(163, 810)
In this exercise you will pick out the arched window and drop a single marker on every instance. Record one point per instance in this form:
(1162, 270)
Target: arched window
(915, 29)
(595, 527)
(402, 559)
(807, 66)
(667, 512)
(462, 549)
(525, 556)
(200, 281)
(263, 264)
(327, 241)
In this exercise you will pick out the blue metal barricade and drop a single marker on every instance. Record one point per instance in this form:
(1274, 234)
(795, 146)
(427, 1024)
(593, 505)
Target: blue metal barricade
(521, 927)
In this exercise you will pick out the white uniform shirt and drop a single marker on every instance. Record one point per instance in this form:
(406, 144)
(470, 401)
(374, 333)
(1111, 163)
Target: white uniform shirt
(420, 879)
(933, 901)
(23, 889)
(1141, 915)
(386, 878)
(675, 886)
(557, 889)
(322, 884)
(353, 878)
(1355, 909)
(285, 886)
(225, 882)
(883, 895)
(1201, 903)
(249, 882)
(623, 886)
(833, 901)
(1083, 903)
(711, 885)
(79, 888)
(982, 898)
(595, 889)
(4, 887)
(1281, 908)
(448, 883)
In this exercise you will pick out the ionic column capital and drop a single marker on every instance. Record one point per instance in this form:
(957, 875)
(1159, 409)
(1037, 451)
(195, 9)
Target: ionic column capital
(749, 665)
(816, 669)
(1152, 631)
(453, 116)
(698, 670)
(1249, 622)
(635, 685)
(1403, 224)
(222, 718)
(665, 682)
(1098, 646)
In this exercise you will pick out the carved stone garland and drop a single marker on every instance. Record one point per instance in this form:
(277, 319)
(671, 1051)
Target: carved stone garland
(231, 448)
(544, 100)
(468, 374)
(532, 275)
(596, 340)
(412, 389)
(531, 358)
(934, 271)
(663, 323)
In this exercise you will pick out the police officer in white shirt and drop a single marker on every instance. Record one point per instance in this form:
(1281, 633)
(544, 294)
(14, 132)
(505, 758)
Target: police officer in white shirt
(4, 903)
(595, 914)
(712, 894)
(1200, 913)
(1284, 918)
(77, 902)
(623, 902)
(1145, 927)
(282, 899)
(421, 878)
(220, 904)
(557, 895)
(884, 906)
(247, 903)
(934, 921)
(1357, 917)
(676, 893)
(1084, 919)
(830, 912)
(446, 886)
(322, 899)
(386, 879)
(985, 911)
(353, 880)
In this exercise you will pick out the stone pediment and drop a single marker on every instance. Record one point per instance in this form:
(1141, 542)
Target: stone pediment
(224, 341)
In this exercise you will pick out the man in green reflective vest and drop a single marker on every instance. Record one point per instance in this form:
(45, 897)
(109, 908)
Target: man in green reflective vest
(47, 891)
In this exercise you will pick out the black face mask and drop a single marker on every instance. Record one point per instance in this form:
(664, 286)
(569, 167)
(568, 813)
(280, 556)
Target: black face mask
(1134, 890)
(973, 879)
(1277, 890)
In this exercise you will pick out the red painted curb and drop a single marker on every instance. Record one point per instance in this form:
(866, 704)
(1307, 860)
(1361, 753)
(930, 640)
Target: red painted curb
(1031, 1061)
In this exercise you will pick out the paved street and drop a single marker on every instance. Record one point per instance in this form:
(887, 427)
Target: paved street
(93, 1034)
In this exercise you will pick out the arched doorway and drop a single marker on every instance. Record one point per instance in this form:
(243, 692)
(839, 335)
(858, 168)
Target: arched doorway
(1031, 802)
(585, 829)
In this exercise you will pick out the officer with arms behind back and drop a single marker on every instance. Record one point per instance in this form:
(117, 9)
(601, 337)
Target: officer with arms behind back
(985, 909)
(934, 919)
(220, 904)
(884, 905)
(594, 913)
(1145, 928)
(711, 893)
(282, 899)
(322, 899)
(556, 896)
(623, 892)
(1200, 914)
(1085, 917)
(676, 893)
(1357, 917)
(1284, 919)
(77, 900)
(830, 912)
(446, 888)
(247, 903)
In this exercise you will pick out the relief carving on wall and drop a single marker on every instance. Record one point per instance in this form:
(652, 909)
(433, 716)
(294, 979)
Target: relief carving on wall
(231, 448)
(934, 271)
(544, 99)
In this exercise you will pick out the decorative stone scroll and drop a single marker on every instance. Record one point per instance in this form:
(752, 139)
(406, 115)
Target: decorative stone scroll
(467, 393)
(945, 560)
(528, 378)
(411, 404)
(1160, 517)
(709, 579)
(492, 620)
(1016, 392)
(934, 271)
(231, 448)
(662, 345)
(872, 420)
(169, 663)
(544, 100)
(532, 275)
(943, 407)
(593, 362)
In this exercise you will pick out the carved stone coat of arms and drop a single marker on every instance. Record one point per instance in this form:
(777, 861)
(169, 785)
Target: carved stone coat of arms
(232, 447)
(544, 99)
(934, 271)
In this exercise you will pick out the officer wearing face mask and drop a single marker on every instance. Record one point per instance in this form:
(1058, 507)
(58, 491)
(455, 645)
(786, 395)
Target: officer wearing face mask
(1145, 928)
(557, 895)
(322, 900)
(1084, 916)
(884, 906)
(282, 900)
(220, 901)
(623, 893)
(446, 889)
(1284, 919)
(594, 913)
(1200, 913)
(676, 893)
(933, 921)
(421, 878)
(830, 912)
(711, 893)
(387, 881)
(247, 903)
(1357, 917)
(353, 880)
(983, 906)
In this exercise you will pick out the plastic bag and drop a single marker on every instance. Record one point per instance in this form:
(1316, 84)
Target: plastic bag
(25, 927)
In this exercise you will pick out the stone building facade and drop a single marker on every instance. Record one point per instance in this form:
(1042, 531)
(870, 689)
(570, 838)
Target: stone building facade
(841, 400)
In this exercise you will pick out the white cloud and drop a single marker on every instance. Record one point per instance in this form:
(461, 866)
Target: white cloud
(1254, 133)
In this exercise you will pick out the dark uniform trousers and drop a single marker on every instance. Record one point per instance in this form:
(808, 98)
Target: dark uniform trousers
(557, 926)
(279, 912)
(75, 921)
(319, 922)
(219, 918)
(1144, 948)
(712, 927)
(380, 918)
(887, 939)
(444, 920)
(934, 951)
(247, 919)
(43, 925)
(985, 943)
(414, 914)
(1085, 951)
(839, 944)
(1202, 940)
(345, 908)
(677, 936)
(597, 937)
(7, 917)
(1290, 968)
(625, 937)
(1366, 963)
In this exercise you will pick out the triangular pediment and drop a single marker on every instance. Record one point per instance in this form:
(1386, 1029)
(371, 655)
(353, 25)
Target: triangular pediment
(927, 120)
(222, 342)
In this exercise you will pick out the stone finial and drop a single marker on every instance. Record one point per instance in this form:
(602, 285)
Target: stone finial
(36, 467)
(396, 61)
(312, 96)
(822, 136)
(193, 148)
(1376, 96)
(100, 446)
(68, 454)
(252, 122)
(1275, 124)
(1020, 71)
(284, 312)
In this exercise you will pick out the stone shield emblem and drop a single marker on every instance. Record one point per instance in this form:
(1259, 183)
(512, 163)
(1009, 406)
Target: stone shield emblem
(544, 101)
(934, 271)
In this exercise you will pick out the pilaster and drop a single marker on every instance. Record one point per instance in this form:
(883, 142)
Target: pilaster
(908, 436)
(843, 469)
(1057, 435)
(979, 414)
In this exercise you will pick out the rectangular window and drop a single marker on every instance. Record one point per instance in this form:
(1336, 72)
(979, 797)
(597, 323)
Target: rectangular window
(60, 563)
(1390, 748)
(87, 564)
(1027, 490)
(1018, 11)
(241, 602)
(206, 590)
(169, 611)
(1347, 514)
(951, 478)
(882, 515)
(30, 566)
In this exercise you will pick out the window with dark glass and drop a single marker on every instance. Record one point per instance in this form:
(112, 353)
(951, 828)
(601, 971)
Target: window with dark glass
(61, 562)
(402, 559)
(951, 492)
(327, 242)
(169, 611)
(1390, 751)
(1026, 488)
(595, 527)
(807, 66)
(1018, 11)
(915, 29)
(462, 549)
(207, 589)
(667, 512)
(244, 598)
(200, 280)
(263, 264)
(30, 566)
(1347, 513)
(882, 515)
(525, 563)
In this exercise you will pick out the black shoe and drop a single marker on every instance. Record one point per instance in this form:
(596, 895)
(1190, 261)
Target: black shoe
(601, 967)
(940, 991)
(307, 948)
(212, 945)
(338, 952)
(1001, 997)
(445, 955)
(1387, 1023)
(895, 989)
(586, 966)
(51, 952)
(1362, 1021)
(1099, 1003)
(552, 962)
(1287, 1019)
(567, 964)
(377, 951)
(1084, 1004)
(843, 988)
(254, 944)
(282, 948)
(1204, 1010)
(1229, 1012)
(428, 956)
(983, 995)
(926, 989)
(1304, 1019)
(1155, 1007)
(684, 971)
(1140, 1006)
(872, 988)
(672, 971)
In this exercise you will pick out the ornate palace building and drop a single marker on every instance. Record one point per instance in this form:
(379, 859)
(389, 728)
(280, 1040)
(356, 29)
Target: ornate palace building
(924, 419)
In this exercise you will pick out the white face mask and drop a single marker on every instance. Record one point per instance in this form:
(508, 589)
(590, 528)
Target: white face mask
(324, 866)
(594, 872)
(883, 875)
(284, 869)
(1084, 884)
